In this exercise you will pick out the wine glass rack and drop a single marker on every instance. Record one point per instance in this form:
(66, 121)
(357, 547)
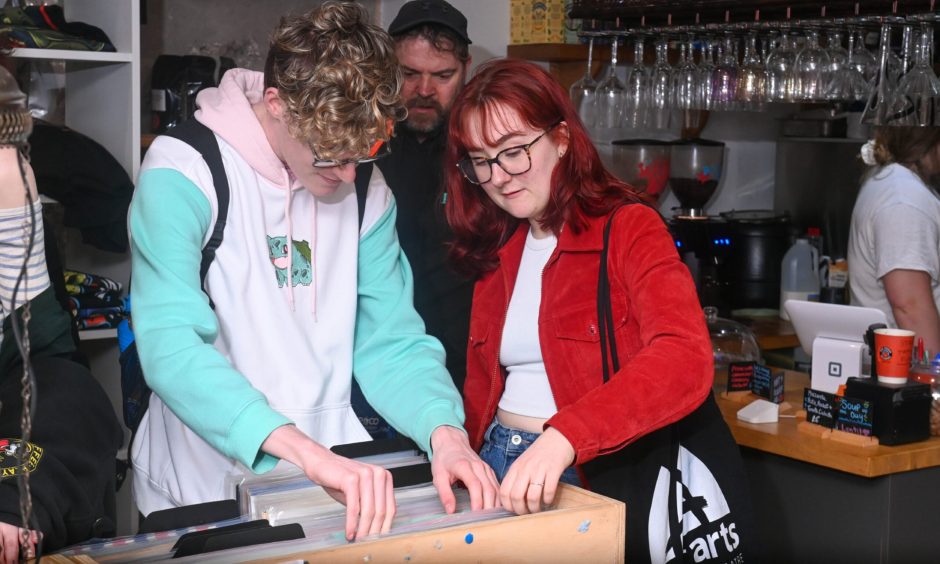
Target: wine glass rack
(642, 13)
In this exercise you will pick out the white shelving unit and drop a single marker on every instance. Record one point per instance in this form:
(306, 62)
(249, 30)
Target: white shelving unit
(102, 101)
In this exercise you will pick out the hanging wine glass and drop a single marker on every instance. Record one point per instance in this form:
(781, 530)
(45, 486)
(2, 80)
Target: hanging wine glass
(895, 67)
(810, 68)
(752, 77)
(610, 94)
(838, 55)
(686, 78)
(706, 68)
(914, 103)
(725, 77)
(862, 59)
(638, 89)
(847, 83)
(661, 86)
(779, 65)
(880, 99)
(583, 91)
(908, 48)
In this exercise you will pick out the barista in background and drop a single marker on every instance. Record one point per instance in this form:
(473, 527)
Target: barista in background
(431, 44)
(894, 239)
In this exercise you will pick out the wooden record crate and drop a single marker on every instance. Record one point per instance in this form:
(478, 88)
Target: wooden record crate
(582, 527)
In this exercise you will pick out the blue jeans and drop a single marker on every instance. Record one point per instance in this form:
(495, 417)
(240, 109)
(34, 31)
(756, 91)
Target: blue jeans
(503, 445)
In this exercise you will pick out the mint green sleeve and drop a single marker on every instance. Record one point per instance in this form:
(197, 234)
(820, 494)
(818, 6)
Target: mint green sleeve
(399, 367)
(175, 327)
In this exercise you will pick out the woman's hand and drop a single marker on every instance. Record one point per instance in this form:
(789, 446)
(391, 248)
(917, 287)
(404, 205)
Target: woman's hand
(11, 548)
(454, 461)
(532, 480)
(364, 489)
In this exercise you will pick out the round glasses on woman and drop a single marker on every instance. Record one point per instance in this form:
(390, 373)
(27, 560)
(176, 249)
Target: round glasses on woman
(514, 161)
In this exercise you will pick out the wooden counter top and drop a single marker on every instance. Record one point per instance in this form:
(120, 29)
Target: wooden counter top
(772, 332)
(783, 439)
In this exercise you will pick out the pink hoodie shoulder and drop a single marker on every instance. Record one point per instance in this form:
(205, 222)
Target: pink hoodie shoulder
(227, 110)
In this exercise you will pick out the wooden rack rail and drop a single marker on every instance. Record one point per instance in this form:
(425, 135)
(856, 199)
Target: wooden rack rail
(632, 13)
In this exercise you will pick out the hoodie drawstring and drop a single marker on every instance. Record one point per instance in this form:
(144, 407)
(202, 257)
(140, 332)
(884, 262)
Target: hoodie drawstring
(290, 254)
(290, 248)
(313, 261)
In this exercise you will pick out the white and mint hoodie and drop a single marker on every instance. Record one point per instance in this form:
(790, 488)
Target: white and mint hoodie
(277, 349)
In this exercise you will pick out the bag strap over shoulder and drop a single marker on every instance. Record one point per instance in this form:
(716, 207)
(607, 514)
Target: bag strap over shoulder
(201, 138)
(605, 313)
(605, 322)
(363, 176)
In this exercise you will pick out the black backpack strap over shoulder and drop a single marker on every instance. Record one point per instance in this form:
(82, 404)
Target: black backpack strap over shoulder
(201, 138)
(363, 176)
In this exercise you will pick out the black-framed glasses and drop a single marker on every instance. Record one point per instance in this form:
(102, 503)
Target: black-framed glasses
(514, 160)
(379, 149)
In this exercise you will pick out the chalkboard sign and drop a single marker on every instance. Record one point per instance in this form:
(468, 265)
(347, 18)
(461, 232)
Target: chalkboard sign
(855, 416)
(777, 387)
(822, 408)
(766, 384)
(740, 376)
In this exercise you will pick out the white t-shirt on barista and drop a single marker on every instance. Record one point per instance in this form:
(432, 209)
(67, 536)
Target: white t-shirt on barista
(895, 225)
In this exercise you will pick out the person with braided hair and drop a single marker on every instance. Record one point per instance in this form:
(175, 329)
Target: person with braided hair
(894, 237)
(57, 480)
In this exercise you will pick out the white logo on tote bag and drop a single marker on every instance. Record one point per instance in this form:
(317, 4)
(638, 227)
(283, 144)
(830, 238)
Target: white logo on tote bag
(708, 530)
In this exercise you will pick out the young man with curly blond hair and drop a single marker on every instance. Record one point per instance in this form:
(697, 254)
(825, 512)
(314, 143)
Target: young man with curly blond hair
(303, 294)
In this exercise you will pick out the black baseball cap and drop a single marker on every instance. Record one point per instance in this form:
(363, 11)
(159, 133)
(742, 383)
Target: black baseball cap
(417, 12)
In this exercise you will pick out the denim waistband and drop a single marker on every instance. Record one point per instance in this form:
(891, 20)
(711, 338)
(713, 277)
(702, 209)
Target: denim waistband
(499, 434)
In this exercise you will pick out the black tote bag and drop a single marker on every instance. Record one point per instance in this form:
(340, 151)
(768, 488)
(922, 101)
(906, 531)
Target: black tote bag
(684, 485)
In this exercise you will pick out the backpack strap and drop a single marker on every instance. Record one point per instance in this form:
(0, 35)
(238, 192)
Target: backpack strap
(201, 138)
(363, 176)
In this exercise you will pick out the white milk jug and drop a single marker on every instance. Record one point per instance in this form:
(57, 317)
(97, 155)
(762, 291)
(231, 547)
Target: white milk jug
(799, 276)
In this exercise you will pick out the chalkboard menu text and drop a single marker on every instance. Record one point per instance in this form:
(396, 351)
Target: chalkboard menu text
(767, 384)
(855, 416)
(822, 408)
(740, 375)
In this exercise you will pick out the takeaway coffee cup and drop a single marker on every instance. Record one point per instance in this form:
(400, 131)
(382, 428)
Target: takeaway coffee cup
(893, 355)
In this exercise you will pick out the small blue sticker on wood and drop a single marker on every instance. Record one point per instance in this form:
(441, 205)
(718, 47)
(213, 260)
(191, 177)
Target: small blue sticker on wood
(469, 538)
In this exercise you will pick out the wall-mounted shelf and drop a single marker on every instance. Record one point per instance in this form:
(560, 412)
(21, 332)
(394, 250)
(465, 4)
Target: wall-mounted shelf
(70, 55)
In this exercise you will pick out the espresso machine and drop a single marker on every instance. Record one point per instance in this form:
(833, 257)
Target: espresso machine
(734, 257)
(703, 242)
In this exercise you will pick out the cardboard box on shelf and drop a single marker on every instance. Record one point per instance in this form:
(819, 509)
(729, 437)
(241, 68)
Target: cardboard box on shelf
(540, 21)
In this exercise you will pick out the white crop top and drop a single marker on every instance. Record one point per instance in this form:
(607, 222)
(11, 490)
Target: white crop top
(527, 390)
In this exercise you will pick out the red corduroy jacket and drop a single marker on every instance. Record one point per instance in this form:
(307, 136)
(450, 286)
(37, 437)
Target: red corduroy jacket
(663, 343)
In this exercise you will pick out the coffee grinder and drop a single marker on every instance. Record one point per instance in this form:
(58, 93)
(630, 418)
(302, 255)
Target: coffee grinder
(644, 165)
(703, 242)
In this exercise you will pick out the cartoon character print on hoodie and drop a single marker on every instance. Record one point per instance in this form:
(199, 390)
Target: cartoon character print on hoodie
(301, 271)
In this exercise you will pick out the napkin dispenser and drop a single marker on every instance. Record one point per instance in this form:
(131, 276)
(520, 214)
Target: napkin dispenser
(901, 412)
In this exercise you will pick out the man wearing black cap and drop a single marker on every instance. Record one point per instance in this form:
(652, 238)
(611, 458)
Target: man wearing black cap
(432, 46)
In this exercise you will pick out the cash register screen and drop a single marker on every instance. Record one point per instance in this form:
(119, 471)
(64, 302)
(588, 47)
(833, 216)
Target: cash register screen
(815, 319)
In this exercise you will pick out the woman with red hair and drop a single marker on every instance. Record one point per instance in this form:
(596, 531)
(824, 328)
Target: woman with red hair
(528, 200)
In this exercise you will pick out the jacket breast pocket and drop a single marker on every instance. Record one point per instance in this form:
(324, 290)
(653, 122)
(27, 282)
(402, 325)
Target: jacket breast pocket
(480, 352)
(577, 325)
(577, 342)
(479, 334)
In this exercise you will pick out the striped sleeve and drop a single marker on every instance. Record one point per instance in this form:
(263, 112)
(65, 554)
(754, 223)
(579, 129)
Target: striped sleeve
(23, 269)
